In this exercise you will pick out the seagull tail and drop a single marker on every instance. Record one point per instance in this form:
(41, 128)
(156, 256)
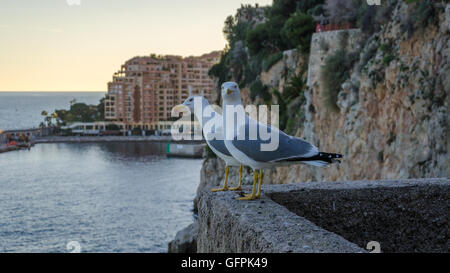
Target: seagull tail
(320, 160)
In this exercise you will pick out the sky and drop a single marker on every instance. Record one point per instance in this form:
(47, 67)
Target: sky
(60, 45)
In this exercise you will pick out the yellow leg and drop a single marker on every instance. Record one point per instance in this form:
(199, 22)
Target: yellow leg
(225, 187)
(258, 194)
(239, 187)
(252, 196)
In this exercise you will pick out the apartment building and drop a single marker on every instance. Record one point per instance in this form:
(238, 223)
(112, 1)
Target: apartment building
(144, 91)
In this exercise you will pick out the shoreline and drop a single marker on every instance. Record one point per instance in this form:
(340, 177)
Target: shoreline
(173, 148)
(84, 139)
(9, 149)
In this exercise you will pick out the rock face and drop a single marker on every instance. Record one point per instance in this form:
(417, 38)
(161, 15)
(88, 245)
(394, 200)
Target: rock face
(393, 119)
(185, 241)
(280, 72)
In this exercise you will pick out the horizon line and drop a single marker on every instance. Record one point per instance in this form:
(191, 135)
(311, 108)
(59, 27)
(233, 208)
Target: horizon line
(48, 91)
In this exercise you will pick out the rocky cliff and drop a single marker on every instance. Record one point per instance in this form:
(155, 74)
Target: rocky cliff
(393, 111)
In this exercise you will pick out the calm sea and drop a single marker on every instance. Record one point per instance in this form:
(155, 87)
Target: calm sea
(20, 110)
(112, 197)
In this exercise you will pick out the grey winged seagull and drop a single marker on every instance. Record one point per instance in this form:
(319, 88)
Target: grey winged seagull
(213, 135)
(247, 150)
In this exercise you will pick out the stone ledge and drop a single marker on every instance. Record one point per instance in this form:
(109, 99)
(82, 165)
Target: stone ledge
(229, 225)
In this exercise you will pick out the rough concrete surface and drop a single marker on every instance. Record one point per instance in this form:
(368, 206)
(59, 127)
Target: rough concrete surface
(403, 215)
(229, 225)
(403, 218)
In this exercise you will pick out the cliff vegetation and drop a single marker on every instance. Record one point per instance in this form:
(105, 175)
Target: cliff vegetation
(375, 89)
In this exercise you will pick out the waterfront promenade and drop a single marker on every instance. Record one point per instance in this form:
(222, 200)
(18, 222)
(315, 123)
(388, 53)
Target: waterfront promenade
(82, 139)
(177, 148)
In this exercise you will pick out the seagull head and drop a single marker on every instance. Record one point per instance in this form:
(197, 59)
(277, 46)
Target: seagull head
(231, 93)
(190, 104)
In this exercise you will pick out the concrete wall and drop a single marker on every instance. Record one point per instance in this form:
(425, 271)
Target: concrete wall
(402, 215)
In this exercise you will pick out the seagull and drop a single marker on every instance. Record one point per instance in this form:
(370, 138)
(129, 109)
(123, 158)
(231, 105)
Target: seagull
(214, 135)
(248, 151)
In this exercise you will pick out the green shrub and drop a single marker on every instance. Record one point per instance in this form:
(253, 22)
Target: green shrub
(251, 71)
(334, 72)
(271, 60)
(368, 53)
(257, 88)
(294, 88)
(385, 47)
(387, 59)
(209, 153)
(298, 30)
(257, 39)
(316, 10)
(424, 13)
(234, 31)
(221, 70)
(295, 114)
(283, 117)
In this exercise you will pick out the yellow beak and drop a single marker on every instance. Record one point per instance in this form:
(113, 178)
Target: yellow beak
(179, 108)
(229, 91)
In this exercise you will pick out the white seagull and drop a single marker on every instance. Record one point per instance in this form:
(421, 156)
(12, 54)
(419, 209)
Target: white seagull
(214, 135)
(247, 150)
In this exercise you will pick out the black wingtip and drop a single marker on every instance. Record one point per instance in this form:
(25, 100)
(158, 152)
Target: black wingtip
(330, 155)
(326, 157)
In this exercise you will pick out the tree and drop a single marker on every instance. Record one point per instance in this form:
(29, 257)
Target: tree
(258, 38)
(312, 7)
(101, 110)
(284, 7)
(297, 31)
(228, 29)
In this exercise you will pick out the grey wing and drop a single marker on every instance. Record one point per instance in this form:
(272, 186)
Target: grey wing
(288, 146)
(216, 141)
(219, 145)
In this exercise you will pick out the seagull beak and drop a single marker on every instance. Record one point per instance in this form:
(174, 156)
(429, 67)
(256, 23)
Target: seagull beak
(179, 109)
(229, 91)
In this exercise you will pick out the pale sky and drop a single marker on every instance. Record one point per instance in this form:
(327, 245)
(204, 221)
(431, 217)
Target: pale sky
(48, 45)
